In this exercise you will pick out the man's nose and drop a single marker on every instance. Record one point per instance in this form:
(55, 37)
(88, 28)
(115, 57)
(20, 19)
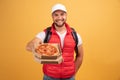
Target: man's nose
(59, 17)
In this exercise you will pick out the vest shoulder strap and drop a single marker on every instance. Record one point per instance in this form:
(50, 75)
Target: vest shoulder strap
(47, 34)
(75, 37)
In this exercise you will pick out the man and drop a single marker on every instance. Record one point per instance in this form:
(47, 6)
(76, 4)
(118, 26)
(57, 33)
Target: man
(61, 33)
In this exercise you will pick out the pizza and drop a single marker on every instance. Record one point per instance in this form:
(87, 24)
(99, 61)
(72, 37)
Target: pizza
(46, 49)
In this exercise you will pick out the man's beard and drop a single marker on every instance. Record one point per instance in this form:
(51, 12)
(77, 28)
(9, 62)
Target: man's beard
(59, 25)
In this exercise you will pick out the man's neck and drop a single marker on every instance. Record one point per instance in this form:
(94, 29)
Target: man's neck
(61, 29)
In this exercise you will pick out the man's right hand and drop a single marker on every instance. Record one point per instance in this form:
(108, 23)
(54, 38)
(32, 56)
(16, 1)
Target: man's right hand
(31, 45)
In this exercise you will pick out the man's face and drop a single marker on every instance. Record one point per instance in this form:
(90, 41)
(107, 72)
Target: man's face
(59, 18)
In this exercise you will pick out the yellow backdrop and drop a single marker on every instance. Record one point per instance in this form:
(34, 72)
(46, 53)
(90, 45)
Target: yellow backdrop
(97, 21)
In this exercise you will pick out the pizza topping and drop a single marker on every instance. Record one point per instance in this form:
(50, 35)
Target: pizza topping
(46, 49)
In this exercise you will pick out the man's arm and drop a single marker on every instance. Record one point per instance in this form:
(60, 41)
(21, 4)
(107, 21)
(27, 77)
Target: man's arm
(79, 58)
(30, 45)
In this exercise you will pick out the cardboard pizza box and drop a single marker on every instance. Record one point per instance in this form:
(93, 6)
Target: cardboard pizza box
(44, 56)
(49, 61)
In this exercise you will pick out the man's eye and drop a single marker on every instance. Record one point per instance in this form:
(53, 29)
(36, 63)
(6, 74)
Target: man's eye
(62, 14)
(56, 15)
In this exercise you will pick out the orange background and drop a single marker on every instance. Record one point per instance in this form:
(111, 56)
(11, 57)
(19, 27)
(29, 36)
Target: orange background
(97, 21)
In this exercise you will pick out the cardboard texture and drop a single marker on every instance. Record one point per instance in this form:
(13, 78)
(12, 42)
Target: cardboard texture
(49, 61)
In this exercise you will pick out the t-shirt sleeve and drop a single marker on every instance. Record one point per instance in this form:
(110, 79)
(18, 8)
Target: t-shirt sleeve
(41, 35)
(79, 39)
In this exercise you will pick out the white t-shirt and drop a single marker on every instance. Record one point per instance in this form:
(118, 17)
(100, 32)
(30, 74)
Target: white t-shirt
(41, 36)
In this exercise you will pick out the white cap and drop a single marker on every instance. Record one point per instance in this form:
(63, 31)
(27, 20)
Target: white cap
(58, 7)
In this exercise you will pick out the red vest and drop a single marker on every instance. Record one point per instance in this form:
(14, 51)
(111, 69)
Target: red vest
(65, 69)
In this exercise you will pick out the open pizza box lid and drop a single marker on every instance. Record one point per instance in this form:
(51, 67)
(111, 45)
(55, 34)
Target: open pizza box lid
(44, 55)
